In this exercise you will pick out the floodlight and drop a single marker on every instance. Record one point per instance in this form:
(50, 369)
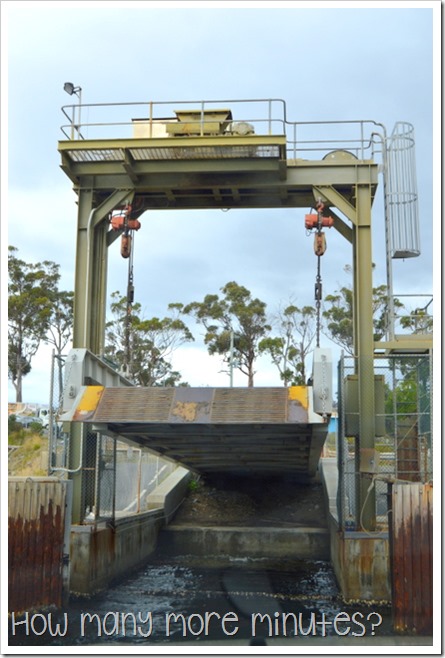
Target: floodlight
(71, 89)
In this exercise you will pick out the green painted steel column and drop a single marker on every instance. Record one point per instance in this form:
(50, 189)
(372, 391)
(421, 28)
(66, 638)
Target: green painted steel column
(90, 296)
(363, 331)
(81, 293)
(364, 349)
(98, 288)
(80, 339)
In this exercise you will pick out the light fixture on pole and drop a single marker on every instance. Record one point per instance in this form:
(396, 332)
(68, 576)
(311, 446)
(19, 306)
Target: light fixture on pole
(71, 89)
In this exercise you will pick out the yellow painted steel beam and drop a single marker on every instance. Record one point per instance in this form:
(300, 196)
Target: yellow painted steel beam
(166, 172)
(238, 188)
(88, 403)
(171, 167)
(341, 226)
(173, 142)
(414, 343)
(300, 394)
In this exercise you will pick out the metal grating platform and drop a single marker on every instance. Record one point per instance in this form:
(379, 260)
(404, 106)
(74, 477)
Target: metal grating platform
(213, 430)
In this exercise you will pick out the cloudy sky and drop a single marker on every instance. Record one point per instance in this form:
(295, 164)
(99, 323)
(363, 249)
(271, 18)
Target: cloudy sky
(327, 61)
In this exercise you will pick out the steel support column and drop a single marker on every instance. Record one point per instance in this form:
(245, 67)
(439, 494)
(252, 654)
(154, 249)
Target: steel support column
(82, 302)
(364, 338)
(360, 216)
(91, 268)
(89, 308)
(81, 294)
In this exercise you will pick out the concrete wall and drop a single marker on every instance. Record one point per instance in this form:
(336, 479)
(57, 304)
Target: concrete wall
(102, 554)
(170, 493)
(261, 542)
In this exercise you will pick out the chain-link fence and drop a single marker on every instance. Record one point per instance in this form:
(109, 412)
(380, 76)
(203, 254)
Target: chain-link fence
(58, 439)
(403, 441)
(116, 477)
(121, 479)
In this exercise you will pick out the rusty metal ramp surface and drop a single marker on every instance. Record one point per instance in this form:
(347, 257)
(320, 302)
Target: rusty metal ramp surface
(213, 430)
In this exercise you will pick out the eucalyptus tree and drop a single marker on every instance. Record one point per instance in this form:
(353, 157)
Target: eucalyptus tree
(290, 348)
(60, 329)
(143, 348)
(32, 289)
(234, 323)
(339, 312)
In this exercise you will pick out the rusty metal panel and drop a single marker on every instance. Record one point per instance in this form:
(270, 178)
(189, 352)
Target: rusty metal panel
(196, 405)
(37, 565)
(201, 405)
(135, 404)
(191, 405)
(250, 405)
(411, 557)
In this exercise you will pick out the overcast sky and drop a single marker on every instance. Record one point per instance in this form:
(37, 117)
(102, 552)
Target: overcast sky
(327, 61)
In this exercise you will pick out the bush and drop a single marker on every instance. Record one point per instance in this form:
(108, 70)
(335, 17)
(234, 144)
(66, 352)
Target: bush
(36, 428)
(193, 484)
(13, 425)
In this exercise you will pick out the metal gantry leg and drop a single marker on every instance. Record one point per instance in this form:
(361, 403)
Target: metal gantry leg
(360, 216)
(90, 306)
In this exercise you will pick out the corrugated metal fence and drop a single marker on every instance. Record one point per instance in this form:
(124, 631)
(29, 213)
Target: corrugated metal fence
(411, 536)
(39, 513)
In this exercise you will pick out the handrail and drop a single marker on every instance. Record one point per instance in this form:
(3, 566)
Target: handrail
(268, 116)
(420, 315)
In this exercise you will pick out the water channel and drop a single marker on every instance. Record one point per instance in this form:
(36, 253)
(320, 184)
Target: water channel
(186, 600)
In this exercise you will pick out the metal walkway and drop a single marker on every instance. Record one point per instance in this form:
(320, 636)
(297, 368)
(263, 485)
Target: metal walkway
(262, 431)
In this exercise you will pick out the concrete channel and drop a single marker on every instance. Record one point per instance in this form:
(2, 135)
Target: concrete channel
(103, 554)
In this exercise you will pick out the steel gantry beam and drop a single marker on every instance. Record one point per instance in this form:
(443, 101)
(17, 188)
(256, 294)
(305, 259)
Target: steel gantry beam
(211, 172)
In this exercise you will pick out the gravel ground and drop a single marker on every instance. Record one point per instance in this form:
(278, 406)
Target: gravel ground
(253, 502)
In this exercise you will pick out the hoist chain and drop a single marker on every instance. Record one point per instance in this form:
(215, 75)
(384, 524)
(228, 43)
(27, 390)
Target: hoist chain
(319, 250)
(130, 300)
(318, 293)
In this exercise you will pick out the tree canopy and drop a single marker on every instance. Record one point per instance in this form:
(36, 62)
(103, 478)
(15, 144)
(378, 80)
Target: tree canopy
(142, 348)
(338, 314)
(60, 329)
(291, 347)
(237, 327)
(32, 289)
(235, 319)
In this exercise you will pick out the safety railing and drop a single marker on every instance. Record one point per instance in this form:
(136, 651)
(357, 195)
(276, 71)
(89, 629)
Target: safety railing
(413, 313)
(305, 139)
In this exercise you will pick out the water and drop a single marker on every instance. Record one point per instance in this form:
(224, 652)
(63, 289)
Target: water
(235, 602)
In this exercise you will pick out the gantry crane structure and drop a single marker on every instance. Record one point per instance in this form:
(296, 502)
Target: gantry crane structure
(219, 155)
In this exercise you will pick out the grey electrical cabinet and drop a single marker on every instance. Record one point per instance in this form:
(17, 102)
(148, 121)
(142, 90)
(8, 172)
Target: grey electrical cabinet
(352, 408)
